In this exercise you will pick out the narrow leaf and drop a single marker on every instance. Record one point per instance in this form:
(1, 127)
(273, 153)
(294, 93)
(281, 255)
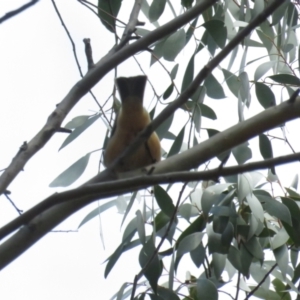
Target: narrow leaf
(213, 87)
(79, 129)
(157, 7)
(107, 12)
(164, 201)
(71, 174)
(174, 44)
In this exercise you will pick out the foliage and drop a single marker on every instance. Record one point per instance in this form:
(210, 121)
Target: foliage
(234, 228)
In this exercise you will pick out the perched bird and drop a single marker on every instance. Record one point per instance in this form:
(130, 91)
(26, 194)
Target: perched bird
(131, 119)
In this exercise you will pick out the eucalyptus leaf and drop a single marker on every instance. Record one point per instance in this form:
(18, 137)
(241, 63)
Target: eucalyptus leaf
(174, 44)
(71, 174)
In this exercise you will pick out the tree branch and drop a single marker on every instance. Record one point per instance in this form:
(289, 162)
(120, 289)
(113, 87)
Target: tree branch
(112, 188)
(17, 11)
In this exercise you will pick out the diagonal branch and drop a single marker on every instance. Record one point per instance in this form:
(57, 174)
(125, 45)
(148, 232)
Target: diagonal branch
(17, 11)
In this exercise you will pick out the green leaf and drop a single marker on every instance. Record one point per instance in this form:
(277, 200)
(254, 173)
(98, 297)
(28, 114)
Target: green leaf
(215, 242)
(186, 211)
(158, 51)
(157, 7)
(296, 274)
(207, 112)
(210, 196)
(113, 259)
(154, 269)
(219, 261)
(107, 12)
(279, 239)
(187, 3)
(176, 146)
(191, 30)
(255, 207)
(264, 95)
(254, 247)
(206, 290)
(168, 92)
(174, 44)
(121, 290)
(171, 231)
(197, 226)
(218, 31)
(199, 95)
(244, 92)
(188, 75)
(161, 220)
(77, 122)
(286, 79)
(196, 117)
(233, 82)
(189, 243)
(266, 294)
(97, 211)
(140, 225)
(293, 194)
(278, 210)
(164, 201)
(294, 183)
(174, 72)
(128, 208)
(164, 127)
(234, 256)
(246, 260)
(279, 13)
(227, 235)
(265, 147)
(124, 246)
(80, 123)
(280, 288)
(165, 293)
(242, 153)
(262, 69)
(71, 174)
(282, 259)
(198, 255)
(259, 274)
(213, 87)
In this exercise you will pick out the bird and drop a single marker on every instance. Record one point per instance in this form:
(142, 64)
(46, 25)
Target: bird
(131, 119)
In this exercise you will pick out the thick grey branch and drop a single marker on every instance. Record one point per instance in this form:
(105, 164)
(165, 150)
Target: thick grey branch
(76, 199)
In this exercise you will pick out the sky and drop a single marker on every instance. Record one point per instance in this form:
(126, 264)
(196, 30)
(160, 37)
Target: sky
(39, 71)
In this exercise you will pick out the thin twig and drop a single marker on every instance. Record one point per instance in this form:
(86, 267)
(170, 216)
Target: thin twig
(17, 11)
(19, 211)
(74, 49)
(261, 282)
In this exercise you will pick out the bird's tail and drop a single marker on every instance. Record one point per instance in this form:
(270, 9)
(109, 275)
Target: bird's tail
(131, 87)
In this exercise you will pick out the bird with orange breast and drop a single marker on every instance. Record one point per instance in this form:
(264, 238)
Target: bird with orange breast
(131, 119)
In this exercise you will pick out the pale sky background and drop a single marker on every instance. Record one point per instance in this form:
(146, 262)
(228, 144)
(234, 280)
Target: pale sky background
(37, 70)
